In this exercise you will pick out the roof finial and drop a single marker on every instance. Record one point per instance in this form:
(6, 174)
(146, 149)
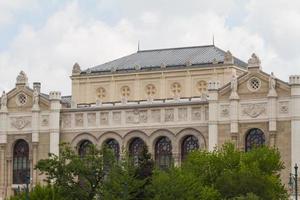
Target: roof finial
(213, 40)
(138, 45)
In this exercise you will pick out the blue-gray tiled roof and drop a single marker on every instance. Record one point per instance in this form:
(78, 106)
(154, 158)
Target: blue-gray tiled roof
(149, 59)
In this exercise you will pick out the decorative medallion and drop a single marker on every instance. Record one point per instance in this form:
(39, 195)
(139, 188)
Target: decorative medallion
(20, 122)
(254, 109)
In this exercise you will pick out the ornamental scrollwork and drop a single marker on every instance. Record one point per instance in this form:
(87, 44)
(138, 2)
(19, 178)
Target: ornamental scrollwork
(20, 122)
(254, 109)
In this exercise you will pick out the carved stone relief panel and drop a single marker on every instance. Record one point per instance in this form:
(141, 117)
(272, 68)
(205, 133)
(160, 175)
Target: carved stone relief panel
(44, 120)
(132, 117)
(104, 118)
(196, 113)
(169, 115)
(155, 115)
(284, 107)
(79, 120)
(182, 114)
(66, 121)
(143, 116)
(206, 113)
(224, 111)
(117, 118)
(91, 118)
(254, 110)
(20, 122)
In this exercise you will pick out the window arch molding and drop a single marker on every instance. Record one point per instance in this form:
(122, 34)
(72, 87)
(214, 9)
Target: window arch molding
(163, 152)
(21, 154)
(81, 137)
(114, 145)
(127, 139)
(184, 133)
(158, 133)
(82, 147)
(110, 135)
(254, 135)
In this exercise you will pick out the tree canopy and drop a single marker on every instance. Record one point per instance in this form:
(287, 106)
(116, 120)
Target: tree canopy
(223, 174)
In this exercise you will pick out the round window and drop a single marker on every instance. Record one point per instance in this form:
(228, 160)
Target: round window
(254, 84)
(21, 99)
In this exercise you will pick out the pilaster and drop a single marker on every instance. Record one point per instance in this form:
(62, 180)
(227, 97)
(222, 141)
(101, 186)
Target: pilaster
(213, 87)
(2, 171)
(55, 98)
(295, 126)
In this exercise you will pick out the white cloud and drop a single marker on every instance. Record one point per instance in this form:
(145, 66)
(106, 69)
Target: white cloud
(8, 9)
(68, 36)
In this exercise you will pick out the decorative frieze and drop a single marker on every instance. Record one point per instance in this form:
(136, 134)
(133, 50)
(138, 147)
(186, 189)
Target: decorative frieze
(284, 107)
(143, 116)
(254, 110)
(169, 115)
(79, 120)
(91, 118)
(155, 116)
(224, 111)
(117, 118)
(66, 121)
(104, 118)
(196, 113)
(182, 114)
(44, 120)
(20, 122)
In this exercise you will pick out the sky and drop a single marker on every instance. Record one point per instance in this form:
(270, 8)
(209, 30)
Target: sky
(45, 38)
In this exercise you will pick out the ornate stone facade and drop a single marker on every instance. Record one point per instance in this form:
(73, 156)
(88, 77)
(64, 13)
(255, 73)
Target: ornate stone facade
(204, 103)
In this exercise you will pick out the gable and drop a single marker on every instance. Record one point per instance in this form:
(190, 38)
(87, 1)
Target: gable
(20, 99)
(255, 85)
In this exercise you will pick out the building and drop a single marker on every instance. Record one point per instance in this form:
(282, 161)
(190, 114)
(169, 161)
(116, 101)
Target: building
(172, 100)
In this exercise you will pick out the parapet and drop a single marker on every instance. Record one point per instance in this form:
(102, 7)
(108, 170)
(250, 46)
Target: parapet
(213, 85)
(55, 95)
(295, 80)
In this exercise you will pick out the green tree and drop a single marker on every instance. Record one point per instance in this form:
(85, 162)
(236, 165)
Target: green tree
(175, 184)
(144, 171)
(77, 177)
(40, 192)
(122, 182)
(235, 173)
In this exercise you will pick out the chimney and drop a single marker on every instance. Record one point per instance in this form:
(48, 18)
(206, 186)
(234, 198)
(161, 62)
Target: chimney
(37, 86)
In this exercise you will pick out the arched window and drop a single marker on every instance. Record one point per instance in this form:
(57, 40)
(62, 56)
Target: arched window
(163, 153)
(135, 149)
(84, 147)
(190, 143)
(254, 138)
(21, 165)
(114, 145)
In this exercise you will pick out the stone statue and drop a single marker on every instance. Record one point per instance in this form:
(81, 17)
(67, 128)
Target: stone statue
(3, 100)
(254, 61)
(272, 81)
(22, 78)
(76, 69)
(228, 58)
(35, 97)
(234, 84)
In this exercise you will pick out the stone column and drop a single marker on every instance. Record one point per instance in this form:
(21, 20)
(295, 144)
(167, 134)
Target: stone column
(9, 176)
(34, 162)
(295, 114)
(55, 98)
(2, 171)
(3, 142)
(272, 115)
(35, 140)
(234, 117)
(213, 87)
